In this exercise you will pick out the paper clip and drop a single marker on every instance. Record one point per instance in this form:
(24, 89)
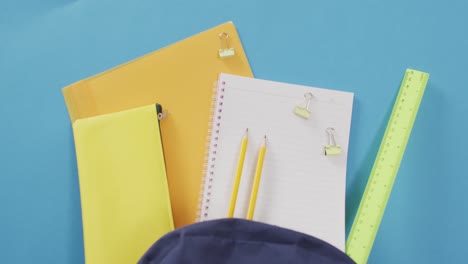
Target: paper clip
(225, 51)
(303, 110)
(332, 148)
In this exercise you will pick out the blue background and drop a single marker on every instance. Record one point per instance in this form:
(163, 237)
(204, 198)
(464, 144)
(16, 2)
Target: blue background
(358, 46)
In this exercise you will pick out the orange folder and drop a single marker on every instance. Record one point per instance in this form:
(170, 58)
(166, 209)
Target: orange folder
(180, 77)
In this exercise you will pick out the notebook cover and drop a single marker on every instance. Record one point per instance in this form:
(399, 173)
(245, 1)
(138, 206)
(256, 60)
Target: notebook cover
(123, 184)
(181, 77)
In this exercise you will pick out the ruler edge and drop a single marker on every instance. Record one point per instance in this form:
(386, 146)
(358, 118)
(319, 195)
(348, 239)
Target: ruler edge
(423, 84)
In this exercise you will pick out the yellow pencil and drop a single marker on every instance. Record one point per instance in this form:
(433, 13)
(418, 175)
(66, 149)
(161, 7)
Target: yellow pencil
(240, 165)
(258, 175)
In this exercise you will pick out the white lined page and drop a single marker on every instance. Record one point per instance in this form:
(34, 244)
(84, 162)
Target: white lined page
(301, 188)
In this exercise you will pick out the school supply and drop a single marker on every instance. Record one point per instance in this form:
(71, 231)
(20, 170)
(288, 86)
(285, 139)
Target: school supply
(332, 148)
(256, 183)
(123, 186)
(181, 77)
(240, 165)
(383, 174)
(225, 51)
(301, 188)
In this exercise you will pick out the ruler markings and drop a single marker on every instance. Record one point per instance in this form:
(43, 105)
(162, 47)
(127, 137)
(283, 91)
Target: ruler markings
(386, 165)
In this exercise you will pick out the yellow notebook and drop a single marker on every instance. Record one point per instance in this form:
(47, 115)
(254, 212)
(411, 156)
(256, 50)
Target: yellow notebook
(123, 185)
(181, 77)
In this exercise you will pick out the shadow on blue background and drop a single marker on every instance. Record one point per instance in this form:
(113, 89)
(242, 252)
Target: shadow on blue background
(363, 47)
(356, 188)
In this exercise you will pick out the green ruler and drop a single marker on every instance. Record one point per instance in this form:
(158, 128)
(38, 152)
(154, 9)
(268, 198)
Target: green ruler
(387, 162)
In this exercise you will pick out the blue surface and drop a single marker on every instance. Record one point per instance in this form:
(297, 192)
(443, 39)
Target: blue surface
(363, 47)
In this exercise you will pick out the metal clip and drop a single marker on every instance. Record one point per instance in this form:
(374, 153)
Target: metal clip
(225, 51)
(332, 148)
(303, 110)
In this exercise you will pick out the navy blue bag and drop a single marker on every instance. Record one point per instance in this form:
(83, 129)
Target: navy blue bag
(239, 241)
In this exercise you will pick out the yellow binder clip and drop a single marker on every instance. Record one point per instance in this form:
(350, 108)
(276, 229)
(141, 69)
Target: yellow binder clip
(225, 51)
(332, 149)
(303, 110)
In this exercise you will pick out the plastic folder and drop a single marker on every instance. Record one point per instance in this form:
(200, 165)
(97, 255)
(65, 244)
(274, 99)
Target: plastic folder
(124, 192)
(181, 77)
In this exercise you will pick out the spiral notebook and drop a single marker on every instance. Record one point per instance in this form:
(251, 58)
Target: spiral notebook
(301, 188)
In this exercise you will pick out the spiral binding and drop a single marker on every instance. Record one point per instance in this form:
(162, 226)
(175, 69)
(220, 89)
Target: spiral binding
(210, 153)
